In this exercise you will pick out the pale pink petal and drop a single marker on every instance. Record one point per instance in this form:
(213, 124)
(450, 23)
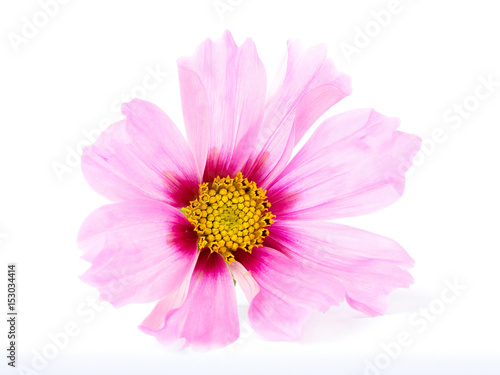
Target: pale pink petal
(140, 250)
(245, 280)
(223, 89)
(310, 86)
(353, 164)
(289, 291)
(143, 156)
(368, 266)
(156, 319)
(208, 316)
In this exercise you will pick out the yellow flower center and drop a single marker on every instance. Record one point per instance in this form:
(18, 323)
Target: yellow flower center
(230, 214)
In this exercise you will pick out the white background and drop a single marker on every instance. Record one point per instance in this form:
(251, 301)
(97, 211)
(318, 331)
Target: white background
(425, 62)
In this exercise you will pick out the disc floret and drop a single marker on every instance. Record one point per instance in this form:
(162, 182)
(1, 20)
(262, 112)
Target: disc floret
(230, 214)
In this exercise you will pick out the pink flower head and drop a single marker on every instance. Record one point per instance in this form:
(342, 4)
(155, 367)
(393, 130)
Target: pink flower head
(228, 205)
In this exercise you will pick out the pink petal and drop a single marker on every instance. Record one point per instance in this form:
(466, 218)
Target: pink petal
(223, 89)
(143, 156)
(352, 165)
(368, 266)
(311, 85)
(208, 317)
(245, 280)
(288, 292)
(140, 250)
(156, 319)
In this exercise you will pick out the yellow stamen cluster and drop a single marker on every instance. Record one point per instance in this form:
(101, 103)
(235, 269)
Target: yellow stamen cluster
(230, 214)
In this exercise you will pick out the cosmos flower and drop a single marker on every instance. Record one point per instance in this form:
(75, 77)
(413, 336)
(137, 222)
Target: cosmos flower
(191, 219)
